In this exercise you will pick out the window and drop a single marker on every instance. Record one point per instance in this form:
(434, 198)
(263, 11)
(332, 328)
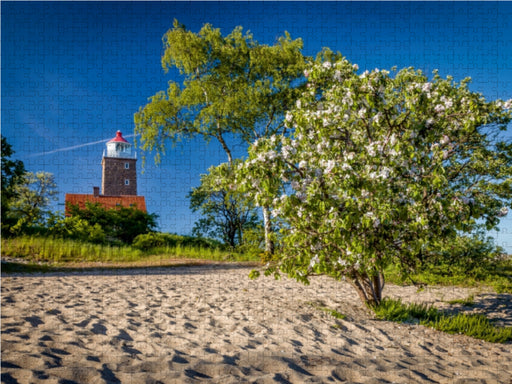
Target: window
(127, 182)
(126, 165)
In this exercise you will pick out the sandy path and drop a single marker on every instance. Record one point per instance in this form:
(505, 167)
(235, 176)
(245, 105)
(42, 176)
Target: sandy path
(214, 324)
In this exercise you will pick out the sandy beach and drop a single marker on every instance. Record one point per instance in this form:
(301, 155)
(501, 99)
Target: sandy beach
(214, 324)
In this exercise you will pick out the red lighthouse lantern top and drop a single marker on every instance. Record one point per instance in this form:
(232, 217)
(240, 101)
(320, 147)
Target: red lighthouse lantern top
(119, 138)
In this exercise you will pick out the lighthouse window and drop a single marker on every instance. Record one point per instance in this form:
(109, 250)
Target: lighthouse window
(127, 182)
(126, 165)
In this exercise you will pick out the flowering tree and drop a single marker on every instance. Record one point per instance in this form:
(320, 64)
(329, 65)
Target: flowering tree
(379, 168)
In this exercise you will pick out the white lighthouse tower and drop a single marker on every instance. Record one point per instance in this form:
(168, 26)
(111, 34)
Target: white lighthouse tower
(119, 176)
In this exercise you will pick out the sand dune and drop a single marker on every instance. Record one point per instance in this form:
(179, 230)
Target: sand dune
(192, 324)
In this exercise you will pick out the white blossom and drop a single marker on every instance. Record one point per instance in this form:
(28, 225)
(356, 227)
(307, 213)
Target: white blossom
(377, 118)
(315, 260)
(448, 103)
(288, 150)
(385, 172)
(346, 167)
(327, 65)
(426, 87)
(330, 164)
(445, 140)
(289, 117)
(370, 148)
(342, 262)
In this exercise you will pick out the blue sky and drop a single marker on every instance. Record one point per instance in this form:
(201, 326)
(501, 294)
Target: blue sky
(75, 72)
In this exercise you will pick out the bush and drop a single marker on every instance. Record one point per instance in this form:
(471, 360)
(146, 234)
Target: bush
(148, 241)
(121, 225)
(468, 254)
(75, 228)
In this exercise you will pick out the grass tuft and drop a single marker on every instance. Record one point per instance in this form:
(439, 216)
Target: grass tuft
(395, 310)
(329, 311)
(467, 302)
(474, 325)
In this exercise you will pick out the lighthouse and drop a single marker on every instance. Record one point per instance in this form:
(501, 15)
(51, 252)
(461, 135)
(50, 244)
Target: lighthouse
(118, 180)
(119, 176)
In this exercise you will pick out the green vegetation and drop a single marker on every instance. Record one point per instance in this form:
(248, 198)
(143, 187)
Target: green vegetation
(474, 325)
(12, 176)
(496, 274)
(232, 88)
(329, 311)
(226, 215)
(467, 302)
(381, 168)
(395, 310)
(119, 226)
(62, 251)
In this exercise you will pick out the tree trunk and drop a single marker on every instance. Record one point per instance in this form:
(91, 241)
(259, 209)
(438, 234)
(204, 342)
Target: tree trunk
(369, 288)
(269, 242)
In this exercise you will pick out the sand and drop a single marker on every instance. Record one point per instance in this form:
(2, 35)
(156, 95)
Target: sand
(213, 324)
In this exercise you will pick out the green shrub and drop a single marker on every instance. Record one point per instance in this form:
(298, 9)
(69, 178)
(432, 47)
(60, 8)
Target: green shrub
(467, 254)
(156, 240)
(73, 227)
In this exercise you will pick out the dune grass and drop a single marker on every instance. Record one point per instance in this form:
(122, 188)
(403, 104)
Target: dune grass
(474, 325)
(61, 252)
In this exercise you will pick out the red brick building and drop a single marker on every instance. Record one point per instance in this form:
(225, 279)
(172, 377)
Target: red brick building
(118, 181)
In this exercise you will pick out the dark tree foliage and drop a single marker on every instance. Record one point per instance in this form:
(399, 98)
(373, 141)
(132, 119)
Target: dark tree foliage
(122, 224)
(224, 216)
(12, 174)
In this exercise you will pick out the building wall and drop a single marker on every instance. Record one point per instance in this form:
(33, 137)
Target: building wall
(116, 175)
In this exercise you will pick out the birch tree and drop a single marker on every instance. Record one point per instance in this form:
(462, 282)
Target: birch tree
(233, 89)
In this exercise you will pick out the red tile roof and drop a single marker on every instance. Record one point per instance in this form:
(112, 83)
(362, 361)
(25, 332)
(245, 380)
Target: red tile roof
(109, 202)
